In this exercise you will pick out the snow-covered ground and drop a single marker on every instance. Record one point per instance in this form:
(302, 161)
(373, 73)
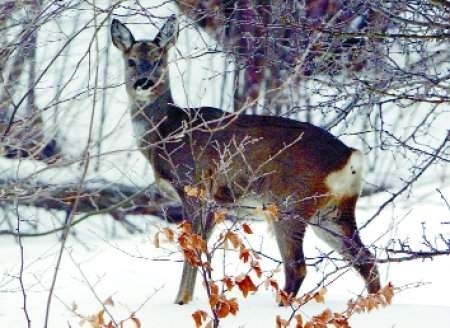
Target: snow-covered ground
(143, 279)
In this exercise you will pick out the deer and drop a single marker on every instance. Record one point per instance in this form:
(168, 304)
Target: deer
(313, 176)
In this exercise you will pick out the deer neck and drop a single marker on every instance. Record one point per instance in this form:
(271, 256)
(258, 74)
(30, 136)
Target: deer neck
(153, 107)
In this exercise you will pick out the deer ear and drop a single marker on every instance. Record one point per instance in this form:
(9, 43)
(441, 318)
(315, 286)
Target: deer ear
(121, 35)
(168, 33)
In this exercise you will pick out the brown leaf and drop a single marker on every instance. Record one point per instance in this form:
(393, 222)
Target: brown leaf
(244, 254)
(281, 323)
(298, 321)
(198, 243)
(213, 288)
(245, 284)
(213, 300)
(185, 227)
(283, 298)
(324, 317)
(195, 192)
(109, 301)
(136, 321)
(319, 296)
(234, 306)
(222, 309)
(229, 284)
(234, 239)
(388, 293)
(219, 216)
(247, 229)
(199, 316)
(257, 268)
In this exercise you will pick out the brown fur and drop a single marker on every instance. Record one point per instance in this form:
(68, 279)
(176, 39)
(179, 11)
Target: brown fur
(270, 159)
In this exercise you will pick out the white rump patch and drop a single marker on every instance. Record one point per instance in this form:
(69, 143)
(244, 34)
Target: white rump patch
(347, 181)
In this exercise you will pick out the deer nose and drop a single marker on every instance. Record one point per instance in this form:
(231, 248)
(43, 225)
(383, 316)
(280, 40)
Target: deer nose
(140, 82)
(143, 83)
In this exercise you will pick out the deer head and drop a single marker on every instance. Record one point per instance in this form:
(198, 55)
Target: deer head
(146, 62)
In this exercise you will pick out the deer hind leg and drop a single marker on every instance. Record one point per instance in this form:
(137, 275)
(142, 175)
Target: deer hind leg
(338, 229)
(203, 228)
(289, 234)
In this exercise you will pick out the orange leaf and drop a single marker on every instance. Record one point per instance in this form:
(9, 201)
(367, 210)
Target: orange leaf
(223, 309)
(219, 216)
(272, 283)
(185, 227)
(319, 296)
(245, 284)
(247, 229)
(234, 239)
(136, 321)
(199, 316)
(195, 192)
(213, 288)
(299, 321)
(388, 292)
(234, 306)
(257, 268)
(244, 254)
(228, 283)
(283, 298)
(281, 323)
(213, 300)
(324, 317)
(198, 243)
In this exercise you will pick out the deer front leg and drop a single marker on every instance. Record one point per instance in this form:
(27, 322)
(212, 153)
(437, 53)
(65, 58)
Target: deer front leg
(289, 234)
(202, 224)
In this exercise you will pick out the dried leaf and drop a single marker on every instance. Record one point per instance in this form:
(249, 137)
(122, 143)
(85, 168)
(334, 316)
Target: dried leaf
(229, 284)
(272, 283)
(245, 284)
(222, 309)
(283, 298)
(244, 254)
(136, 321)
(298, 321)
(324, 317)
(219, 216)
(281, 323)
(388, 293)
(185, 227)
(109, 301)
(234, 239)
(234, 306)
(319, 296)
(199, 316)
(247, 229)
(195, 192)
(257, 268)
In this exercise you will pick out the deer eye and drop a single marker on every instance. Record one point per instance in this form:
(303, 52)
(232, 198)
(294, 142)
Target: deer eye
(131, 63)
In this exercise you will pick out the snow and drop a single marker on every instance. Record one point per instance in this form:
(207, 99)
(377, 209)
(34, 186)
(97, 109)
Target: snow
(143, 279)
